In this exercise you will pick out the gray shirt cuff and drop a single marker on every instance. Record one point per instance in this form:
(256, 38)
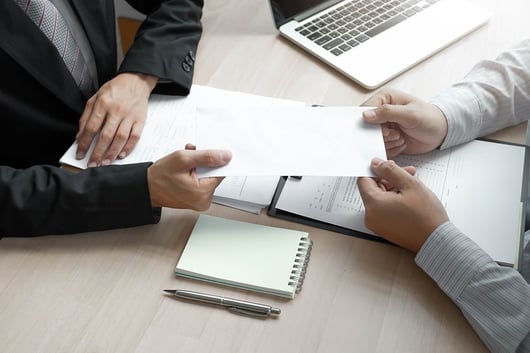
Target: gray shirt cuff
(451, 259)
(463, 112)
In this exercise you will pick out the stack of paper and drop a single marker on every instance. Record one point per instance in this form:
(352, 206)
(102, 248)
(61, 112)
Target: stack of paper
(250, 194)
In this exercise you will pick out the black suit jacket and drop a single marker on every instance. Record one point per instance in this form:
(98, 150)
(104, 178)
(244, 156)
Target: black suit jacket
(41, 104)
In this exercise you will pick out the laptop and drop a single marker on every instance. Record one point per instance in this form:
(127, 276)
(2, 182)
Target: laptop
(373, 41)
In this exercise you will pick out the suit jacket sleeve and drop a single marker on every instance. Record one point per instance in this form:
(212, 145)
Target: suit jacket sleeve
(48, 200)
(166, 43)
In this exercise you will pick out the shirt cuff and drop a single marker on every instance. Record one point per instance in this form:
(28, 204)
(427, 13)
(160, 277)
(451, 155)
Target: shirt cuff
(451, 259)
(462, 110)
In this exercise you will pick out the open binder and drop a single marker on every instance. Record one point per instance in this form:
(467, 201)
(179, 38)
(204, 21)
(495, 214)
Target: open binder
(482, 184)
(245, 255)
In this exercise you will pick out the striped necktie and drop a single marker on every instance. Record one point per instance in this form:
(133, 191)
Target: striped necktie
(50, 21)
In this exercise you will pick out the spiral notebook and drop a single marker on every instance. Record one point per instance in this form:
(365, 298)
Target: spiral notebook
(245, 255)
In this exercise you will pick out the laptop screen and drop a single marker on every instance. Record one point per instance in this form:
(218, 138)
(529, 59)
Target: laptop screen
(285, 10)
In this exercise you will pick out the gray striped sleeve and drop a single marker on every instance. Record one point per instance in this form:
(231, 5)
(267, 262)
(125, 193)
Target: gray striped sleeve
(462, 110)
(494, 299)
(494, 95)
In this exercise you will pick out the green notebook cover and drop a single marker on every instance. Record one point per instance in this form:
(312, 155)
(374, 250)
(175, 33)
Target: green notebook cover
(246, 255)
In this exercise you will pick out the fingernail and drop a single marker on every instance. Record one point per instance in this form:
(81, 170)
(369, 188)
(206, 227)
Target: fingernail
(91, 164)
(377, 162)
(80, 155)
(106, 162)
(226, 156)
(369, 114)
(122, 155)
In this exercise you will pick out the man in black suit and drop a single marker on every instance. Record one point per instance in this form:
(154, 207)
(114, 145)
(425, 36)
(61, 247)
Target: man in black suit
(44, 109)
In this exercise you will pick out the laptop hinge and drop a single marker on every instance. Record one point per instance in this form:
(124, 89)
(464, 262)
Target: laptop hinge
(308, 13)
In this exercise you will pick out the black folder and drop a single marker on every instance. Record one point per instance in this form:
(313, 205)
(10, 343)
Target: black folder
(484, 199)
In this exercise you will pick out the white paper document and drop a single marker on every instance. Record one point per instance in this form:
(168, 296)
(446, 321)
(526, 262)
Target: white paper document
(290, 140)
(171, 124)
(480, 185)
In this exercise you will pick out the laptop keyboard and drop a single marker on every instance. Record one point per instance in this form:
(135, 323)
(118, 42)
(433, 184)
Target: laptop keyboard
(357, 21)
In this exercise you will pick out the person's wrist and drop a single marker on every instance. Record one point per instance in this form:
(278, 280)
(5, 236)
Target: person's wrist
(148, 80)
(421, 239)
(151, 185)
(442, 125)
(428, 229)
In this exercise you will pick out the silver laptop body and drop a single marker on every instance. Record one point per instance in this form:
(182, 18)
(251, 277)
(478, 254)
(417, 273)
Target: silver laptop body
(371, 41)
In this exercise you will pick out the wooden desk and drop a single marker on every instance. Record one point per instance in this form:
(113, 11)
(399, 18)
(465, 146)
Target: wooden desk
(102, 292)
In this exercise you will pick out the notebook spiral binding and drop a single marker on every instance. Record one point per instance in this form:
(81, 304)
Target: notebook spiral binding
(300, 264)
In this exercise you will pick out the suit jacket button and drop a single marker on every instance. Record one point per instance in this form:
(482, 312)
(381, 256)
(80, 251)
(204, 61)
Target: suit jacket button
(189, 60)
(192, 55)
(186, 67)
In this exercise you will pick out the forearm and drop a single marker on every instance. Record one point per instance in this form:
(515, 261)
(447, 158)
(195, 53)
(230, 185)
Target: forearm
(166, 43)
(494, 95)
(494, 299)
(46, 200)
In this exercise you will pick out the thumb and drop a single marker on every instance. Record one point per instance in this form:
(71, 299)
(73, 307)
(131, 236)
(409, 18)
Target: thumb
(209, 158)
(399, 177)
(389, 113)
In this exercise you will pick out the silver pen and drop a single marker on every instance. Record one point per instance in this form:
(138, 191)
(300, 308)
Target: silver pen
(234, 305)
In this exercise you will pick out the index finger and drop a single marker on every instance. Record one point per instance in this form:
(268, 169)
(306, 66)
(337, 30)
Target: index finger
(83, 148)
(379, 98)
(210, 182)
(90, 131)
(368, 189)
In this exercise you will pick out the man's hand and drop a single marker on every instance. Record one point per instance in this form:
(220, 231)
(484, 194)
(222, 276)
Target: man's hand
(409, 125)
(399, 207)
(173, 182)
(117, 111)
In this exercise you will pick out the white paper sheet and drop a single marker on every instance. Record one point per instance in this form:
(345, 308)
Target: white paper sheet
(170, 122)
(290, 140)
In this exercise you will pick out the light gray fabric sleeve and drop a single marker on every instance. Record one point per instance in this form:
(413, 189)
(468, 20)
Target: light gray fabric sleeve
(494, 299)
(494, 95)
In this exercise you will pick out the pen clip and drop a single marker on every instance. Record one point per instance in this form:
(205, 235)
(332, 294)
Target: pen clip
(235, 310)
